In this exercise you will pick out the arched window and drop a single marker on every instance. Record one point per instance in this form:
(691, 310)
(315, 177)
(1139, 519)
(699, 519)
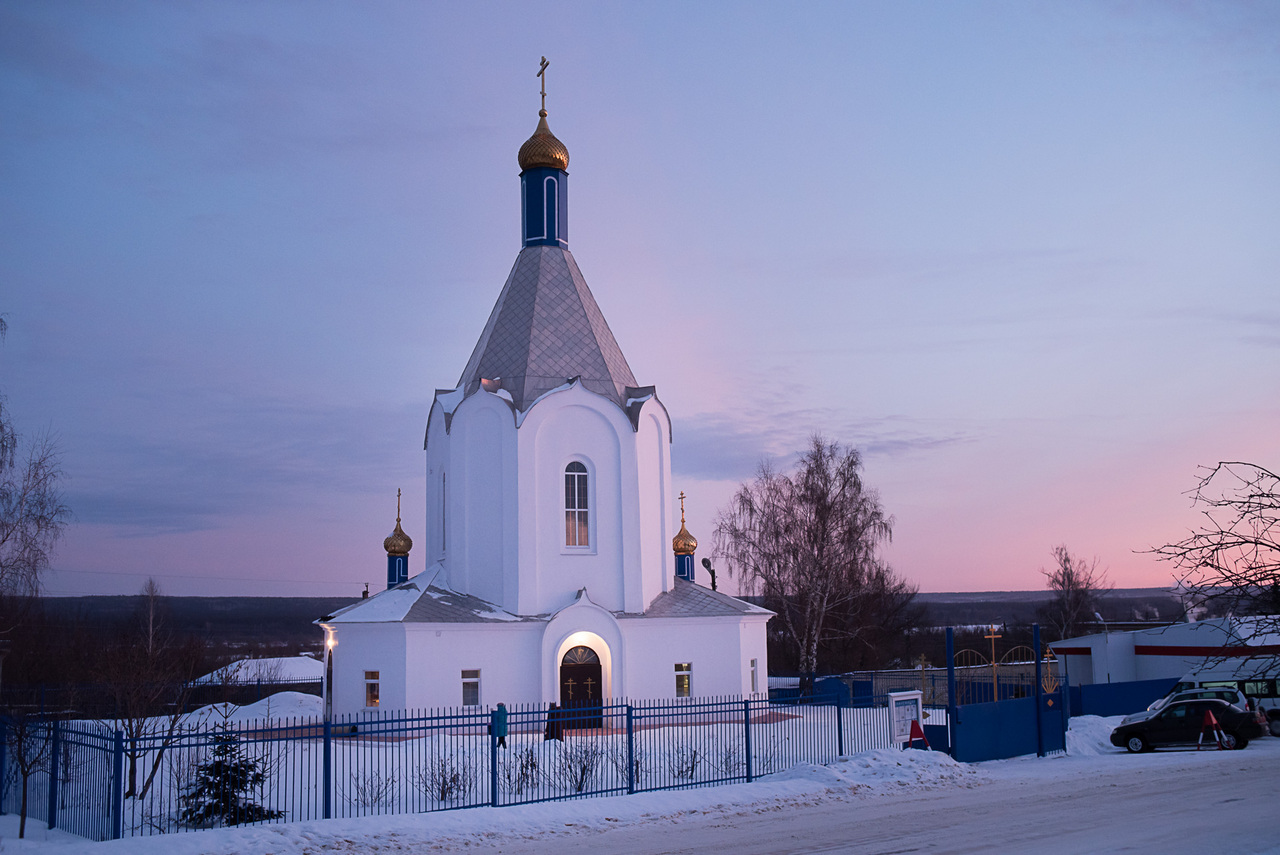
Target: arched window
(575, 505)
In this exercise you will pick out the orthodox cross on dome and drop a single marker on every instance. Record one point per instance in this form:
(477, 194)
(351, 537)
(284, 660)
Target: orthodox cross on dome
(542, 72)
(397, 504)
(682, 507)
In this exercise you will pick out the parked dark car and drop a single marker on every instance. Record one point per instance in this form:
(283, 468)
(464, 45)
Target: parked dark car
(1182, 722)
(1231, 696)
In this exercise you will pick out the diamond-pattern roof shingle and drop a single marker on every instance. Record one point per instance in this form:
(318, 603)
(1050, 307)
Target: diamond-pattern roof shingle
(545, 329)
(689, 600)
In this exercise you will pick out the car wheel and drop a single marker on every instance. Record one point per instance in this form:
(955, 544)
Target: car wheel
(1231, 741)
(1274, 726)
(1136, 744)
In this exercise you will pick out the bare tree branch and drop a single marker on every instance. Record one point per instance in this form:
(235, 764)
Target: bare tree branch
(1231, 564)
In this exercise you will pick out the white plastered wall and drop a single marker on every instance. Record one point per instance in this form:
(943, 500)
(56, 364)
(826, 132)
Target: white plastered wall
(478, 494)
(565, 426)
(656, 508)
(718, 648)
(505, 654)
(368, 647)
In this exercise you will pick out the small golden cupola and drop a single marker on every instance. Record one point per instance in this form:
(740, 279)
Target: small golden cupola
(684, 545)
(543, 150)
(397, 544)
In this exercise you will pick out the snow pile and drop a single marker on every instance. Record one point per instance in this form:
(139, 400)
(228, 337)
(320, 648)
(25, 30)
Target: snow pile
(1090, 735)
(888, 770)
(281, 705)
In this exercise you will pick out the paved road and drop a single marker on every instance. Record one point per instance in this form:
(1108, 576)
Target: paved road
(1167, 802)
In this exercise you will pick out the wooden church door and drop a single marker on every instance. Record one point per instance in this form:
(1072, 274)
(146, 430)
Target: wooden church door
(582, 687)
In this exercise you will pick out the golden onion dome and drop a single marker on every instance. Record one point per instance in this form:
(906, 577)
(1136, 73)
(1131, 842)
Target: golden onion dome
(684, 543)
(543, 149)
(397, 543)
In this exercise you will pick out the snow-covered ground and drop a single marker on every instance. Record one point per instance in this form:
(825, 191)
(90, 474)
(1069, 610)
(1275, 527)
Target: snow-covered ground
(1077, 803)
(280, 706)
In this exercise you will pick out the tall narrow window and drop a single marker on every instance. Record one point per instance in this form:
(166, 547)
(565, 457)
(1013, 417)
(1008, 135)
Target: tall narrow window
(684, 674)
(370, 688)
(471, 688)
(575, 505)
(754, 679)
(444, 503)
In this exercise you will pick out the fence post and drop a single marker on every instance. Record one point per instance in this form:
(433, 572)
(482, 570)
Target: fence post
(327, 773)
(953, 708)
(840, 725)
(493, 757)
(117, 786)
(54, 740)
(1035, 643)
(631, 750)
(746, 725)
(4, 758)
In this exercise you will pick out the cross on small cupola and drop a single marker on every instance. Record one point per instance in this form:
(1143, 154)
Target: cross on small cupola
(684, 545)
(397, 545)
(544, 181)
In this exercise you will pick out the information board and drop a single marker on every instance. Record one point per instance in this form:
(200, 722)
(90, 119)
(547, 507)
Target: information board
(904, 708)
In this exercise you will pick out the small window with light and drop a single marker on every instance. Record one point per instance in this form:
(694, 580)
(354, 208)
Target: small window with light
(371, 688)
(684, 673)
(471, 688)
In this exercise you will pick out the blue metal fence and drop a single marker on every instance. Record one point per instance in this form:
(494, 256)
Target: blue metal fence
(229, 772)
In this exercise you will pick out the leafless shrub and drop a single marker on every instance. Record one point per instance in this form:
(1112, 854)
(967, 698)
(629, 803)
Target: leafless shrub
(617, 758)
(371, 790)
(518, 771)
(729, 759)
(576, 763)
(445, 779)
(682, 762)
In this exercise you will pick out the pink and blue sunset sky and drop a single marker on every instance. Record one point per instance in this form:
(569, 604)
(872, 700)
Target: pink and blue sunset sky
(1024, 255)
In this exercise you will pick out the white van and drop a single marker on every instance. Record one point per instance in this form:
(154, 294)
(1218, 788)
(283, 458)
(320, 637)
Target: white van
(1257, 677)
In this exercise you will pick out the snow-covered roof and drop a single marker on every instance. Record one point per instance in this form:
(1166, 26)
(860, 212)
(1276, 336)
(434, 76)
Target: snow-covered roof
(688, 599)
(420, 601)
(277, 669)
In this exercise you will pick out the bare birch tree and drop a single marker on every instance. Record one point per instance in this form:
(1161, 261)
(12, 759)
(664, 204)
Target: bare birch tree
(28, 740)
(32, 513)
(148, 674)
(1078, 586)
(1231, 564)
(807, 543)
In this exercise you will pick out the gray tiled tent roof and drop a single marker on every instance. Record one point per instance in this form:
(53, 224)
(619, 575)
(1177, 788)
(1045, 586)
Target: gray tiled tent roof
(686, 599)
(545, 329)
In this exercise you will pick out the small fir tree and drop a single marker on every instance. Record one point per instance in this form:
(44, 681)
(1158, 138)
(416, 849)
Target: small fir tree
(220, 794)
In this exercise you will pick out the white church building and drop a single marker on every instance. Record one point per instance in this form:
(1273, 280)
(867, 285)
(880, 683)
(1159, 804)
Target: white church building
(554, 572)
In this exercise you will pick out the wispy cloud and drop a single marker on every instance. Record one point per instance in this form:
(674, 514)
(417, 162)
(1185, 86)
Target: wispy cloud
(268, 455)
(719, 447)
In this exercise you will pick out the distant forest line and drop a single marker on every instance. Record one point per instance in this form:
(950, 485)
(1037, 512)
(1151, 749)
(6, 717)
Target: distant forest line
(287, 623)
